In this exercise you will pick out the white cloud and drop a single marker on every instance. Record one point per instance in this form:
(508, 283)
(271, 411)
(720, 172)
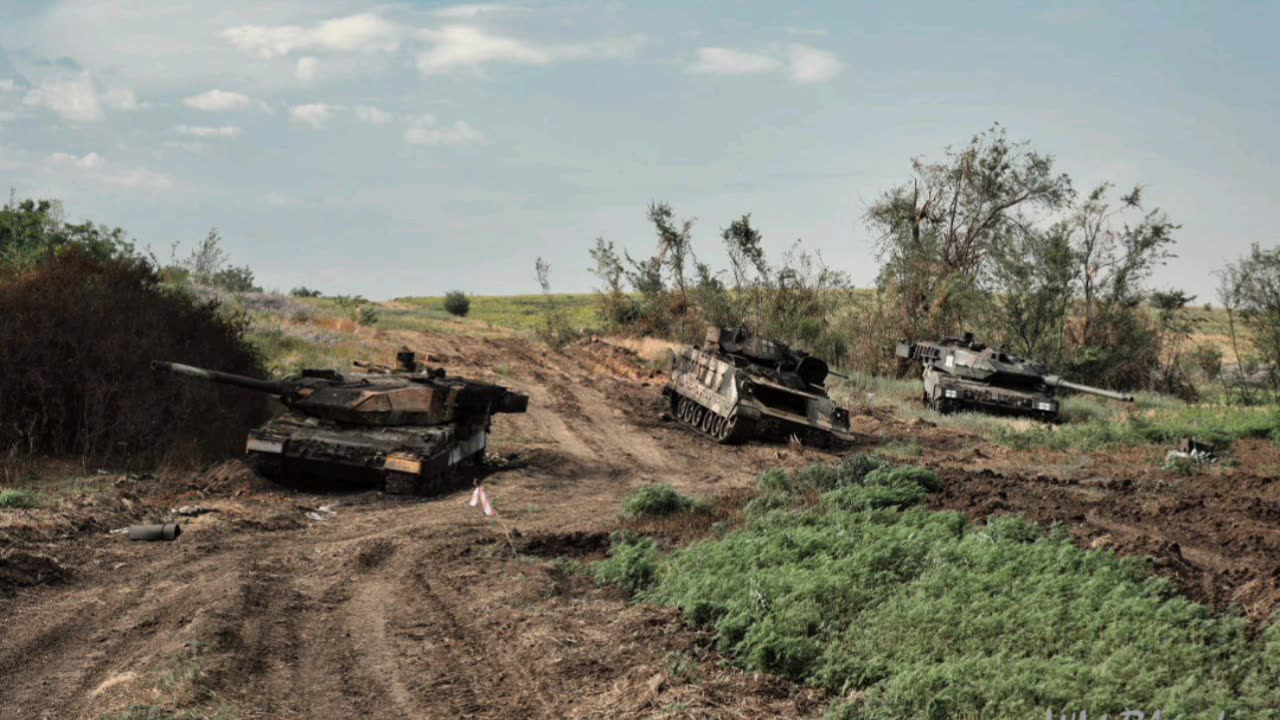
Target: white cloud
(7, 85)
(278, 199)
(458, 12)
(425, 131)
(217, 100)
(809, 65)
(122, 99)
(208, 131)
(373, 115)
(306, 68)
(73, 99)
(313, 114)
(723, 61)
(96, 168)
(140, 178)
(803, 64)
(458, 47)
(88, 161)
(461, 46)
(365, 32)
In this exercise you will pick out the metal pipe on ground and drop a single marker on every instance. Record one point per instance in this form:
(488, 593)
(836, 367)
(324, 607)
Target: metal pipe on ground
(167, 531)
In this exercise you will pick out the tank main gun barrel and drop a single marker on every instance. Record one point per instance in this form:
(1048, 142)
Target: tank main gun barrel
(1057, 381)
(214, 376)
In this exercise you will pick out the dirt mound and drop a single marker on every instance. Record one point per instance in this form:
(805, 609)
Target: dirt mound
(79, 334)
(24, 569)
(619, 362)
(1216, 539)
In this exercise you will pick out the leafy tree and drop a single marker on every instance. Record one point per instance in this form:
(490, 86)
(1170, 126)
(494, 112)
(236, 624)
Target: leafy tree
(935, 233)
(31, 231)
(1174, 328)
(1254, 297)
(305, 292)
(1033, 281)
(616, 308)
(208, 265)
(1115, 345)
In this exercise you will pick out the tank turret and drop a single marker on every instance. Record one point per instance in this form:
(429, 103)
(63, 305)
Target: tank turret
(405, 428)
(963, 374)
(737, 386)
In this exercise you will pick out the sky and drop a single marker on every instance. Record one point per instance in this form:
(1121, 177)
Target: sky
(413, 148)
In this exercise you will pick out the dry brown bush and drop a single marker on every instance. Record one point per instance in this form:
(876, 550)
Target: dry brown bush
(78, 334)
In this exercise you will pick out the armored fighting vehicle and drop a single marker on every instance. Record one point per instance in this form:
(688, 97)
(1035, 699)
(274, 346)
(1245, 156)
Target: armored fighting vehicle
(405, 429)
(737, 387)
(962, 374)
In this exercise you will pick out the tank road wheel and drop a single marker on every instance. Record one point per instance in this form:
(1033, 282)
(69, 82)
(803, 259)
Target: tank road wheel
(737, 429)
(709, 422)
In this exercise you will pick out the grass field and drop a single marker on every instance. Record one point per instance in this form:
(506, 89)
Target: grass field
(518, 312)
(843, 580)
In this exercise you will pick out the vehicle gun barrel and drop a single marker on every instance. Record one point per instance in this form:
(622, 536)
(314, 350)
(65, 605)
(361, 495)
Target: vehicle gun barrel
(214, 376)
(1057, 381)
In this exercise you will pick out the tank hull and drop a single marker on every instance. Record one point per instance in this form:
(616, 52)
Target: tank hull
(732, 404)
(405, 459)
(948, 393)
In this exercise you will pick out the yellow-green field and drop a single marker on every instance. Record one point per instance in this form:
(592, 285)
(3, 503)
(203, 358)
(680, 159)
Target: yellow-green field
(518, 312)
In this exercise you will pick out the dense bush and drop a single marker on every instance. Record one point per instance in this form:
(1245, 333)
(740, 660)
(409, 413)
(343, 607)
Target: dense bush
(79, 332)
(904, 612)
(632, 562)
(457, 303)
(656, 501)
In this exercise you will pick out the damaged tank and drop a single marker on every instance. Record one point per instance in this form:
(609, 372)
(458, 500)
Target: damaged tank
(737, 387)
(963, 374)
(405, 429)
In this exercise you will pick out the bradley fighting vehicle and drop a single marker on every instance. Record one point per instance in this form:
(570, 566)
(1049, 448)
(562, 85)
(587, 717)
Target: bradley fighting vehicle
(736, 387)
(961, 374)
(404, 429)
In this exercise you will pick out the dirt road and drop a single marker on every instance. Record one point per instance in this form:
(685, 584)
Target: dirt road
(402, 609)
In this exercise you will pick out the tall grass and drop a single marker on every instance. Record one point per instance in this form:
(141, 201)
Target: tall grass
(901, 612)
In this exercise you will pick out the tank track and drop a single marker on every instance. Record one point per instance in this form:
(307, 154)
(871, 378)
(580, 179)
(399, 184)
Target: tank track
(731, 430)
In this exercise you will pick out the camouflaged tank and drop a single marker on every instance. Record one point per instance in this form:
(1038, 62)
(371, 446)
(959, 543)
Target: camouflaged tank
(405, 429)
(962, 374)
(737, 387)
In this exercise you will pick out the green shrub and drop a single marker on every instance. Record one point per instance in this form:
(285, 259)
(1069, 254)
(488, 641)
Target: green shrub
(632, 562)
(884, 487)
(14, 499)
(820, 477)
(457, 303)
(656, 501)
(916, 613)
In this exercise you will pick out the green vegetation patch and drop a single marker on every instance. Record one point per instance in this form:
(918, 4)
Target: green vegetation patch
(16, 499)
(1217, 425)
(656, 501)
(905, 612)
